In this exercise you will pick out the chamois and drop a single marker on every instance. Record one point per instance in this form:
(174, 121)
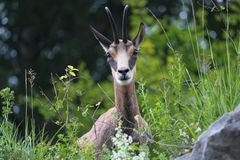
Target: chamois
(121, 56)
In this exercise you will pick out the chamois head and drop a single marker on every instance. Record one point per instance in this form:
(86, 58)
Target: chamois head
(121, 53)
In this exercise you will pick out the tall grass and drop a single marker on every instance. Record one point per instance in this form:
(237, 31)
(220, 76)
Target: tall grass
(186, 105)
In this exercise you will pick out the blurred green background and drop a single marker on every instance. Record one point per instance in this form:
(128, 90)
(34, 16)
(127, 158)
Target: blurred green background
(48, 35)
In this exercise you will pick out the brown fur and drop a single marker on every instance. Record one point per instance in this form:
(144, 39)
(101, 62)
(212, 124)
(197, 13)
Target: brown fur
(104, 127)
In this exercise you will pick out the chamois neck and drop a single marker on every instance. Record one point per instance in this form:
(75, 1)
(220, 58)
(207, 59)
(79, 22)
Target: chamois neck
(126, 101)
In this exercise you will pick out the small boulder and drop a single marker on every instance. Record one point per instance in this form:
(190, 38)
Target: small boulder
(221, 141)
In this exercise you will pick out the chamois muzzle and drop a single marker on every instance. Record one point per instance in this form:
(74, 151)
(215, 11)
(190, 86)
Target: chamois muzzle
(123, 74)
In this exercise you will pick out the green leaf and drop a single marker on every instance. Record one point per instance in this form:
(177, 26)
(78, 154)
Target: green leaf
(63, 77)
(75, 69)
(84, 113)
(72, 73)
(98, 104)
(70, 67)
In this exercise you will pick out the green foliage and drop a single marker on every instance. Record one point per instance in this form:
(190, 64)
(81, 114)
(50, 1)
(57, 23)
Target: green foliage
(70, 72)
(186, 80)
(27, 148)
(8, 99)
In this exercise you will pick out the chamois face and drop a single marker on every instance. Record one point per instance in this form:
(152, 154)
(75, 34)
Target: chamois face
(122, 59)
(121, 53)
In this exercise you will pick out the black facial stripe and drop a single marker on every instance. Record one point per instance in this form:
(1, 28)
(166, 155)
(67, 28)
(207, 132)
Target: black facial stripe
(112, 63)
(108, 55)
(132, 61)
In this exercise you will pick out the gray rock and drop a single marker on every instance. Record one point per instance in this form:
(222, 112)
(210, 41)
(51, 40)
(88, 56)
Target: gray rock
(221, 141)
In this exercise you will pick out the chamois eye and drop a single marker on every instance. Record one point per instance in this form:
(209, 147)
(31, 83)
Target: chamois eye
(108, 55)
(135, 52)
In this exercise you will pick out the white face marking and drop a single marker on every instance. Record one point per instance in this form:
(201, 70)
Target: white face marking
(122, 60)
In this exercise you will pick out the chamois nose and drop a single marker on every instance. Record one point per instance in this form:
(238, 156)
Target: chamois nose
(123, 71)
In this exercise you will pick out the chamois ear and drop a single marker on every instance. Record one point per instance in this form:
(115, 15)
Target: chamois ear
(140, 35)
(104, 42)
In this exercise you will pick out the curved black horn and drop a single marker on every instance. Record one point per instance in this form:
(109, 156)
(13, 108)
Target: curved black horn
(124, 24)
(113, 25)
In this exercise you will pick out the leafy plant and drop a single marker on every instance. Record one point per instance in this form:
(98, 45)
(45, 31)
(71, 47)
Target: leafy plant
(8, 99)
